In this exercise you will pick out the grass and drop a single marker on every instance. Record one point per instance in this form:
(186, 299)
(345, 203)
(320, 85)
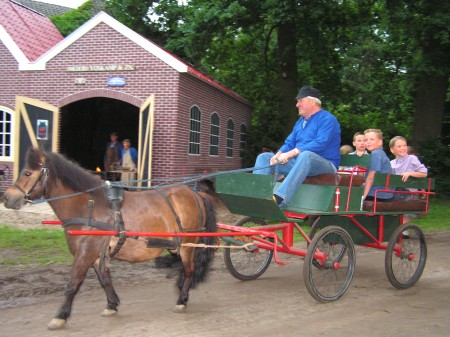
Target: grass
(32, 246)
(438, 218)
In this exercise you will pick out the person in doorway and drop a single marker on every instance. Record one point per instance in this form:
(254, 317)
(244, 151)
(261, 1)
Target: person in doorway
(113, 155)
(311, 149)
(379, 162)
(128, 162)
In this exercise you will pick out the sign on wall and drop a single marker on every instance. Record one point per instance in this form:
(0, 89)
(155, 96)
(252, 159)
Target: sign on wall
(42, 129)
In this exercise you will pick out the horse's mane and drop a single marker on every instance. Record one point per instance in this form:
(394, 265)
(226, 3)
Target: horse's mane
(68, 172)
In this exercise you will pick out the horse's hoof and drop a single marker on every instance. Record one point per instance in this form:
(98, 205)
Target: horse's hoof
(109, 312)
(179, 308)
(56, 323)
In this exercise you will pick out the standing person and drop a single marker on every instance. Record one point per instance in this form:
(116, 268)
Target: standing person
(311, 149)
(379, 162)
(360, 144)
(128, 162)
(113, 153)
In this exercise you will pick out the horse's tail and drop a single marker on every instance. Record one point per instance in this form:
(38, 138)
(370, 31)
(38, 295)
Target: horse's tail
(204, 256)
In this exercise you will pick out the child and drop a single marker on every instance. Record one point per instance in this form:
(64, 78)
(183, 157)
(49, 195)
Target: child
(360, 144)
(407, 165)
(379, 162)
(345, 149)
(404, 164)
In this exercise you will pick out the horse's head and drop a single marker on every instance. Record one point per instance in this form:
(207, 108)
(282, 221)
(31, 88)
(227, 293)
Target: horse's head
(31, 182)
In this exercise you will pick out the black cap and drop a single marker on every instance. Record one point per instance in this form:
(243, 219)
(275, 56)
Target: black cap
(308, 91)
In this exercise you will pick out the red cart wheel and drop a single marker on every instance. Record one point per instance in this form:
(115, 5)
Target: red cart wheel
(328, 279)
(246, 264)
(406, 256)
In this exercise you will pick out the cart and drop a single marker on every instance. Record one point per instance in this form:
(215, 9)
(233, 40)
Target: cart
(342, 219)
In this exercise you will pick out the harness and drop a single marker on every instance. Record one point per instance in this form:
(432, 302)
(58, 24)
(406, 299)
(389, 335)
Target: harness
(114, 195)
(42, 174)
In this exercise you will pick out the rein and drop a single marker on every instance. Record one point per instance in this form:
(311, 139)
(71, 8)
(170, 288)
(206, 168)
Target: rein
(188, 180)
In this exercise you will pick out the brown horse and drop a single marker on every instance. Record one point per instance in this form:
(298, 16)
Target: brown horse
(53, 177)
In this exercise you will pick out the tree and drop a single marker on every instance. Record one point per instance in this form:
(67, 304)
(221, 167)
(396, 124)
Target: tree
(71, 20)
(422, 28)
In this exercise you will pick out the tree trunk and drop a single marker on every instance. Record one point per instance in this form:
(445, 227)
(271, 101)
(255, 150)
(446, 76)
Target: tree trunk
(287, 75)
(429, 107)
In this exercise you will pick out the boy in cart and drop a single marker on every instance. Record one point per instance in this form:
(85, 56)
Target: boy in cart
(379, 162)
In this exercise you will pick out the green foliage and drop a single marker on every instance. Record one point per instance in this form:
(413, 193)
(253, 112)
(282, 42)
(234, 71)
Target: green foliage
(32, 246)
(364, 55)
(435, 154)
(71, 20)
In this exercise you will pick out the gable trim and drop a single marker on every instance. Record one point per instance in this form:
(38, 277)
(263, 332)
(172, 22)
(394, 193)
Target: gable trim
(102, 17)
(13, 48)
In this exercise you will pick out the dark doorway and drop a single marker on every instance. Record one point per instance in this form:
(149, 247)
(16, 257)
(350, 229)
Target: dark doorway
(86, 125)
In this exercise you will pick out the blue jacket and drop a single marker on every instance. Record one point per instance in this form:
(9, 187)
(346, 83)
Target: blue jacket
(133, 154)
(320, 134)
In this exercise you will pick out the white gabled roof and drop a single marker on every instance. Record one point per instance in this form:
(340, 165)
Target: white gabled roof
(102, 17)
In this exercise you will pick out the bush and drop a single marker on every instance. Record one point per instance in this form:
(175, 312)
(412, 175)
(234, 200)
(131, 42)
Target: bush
(435, 154)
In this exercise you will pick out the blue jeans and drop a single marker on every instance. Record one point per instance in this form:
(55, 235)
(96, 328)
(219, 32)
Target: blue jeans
(296, 170)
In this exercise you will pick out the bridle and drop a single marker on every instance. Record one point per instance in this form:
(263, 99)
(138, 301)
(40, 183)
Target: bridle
(42, 174)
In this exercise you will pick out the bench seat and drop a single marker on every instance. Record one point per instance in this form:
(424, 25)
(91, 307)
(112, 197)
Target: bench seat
(396, 206)
(338, 179)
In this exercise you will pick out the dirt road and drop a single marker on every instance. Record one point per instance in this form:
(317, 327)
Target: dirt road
(277, 304)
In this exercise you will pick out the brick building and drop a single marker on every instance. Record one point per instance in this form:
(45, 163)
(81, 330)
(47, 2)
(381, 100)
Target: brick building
(68, 94)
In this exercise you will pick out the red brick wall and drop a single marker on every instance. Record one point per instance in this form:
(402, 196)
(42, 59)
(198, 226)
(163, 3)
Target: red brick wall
(175, 94)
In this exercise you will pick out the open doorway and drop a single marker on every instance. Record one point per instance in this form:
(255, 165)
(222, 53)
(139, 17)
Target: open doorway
(86, 125)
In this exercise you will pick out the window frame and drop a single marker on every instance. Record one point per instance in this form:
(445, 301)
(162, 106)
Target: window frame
(195, 135)
(230, 139)
(242, 142)
(214, 135)
(3, 111)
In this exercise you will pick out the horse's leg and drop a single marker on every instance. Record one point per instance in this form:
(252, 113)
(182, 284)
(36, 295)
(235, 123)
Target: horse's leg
(78, 273)
(104, 278)
(185, 279)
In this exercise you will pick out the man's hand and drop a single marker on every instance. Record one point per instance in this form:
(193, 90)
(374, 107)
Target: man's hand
(275, 159)
(283, 158)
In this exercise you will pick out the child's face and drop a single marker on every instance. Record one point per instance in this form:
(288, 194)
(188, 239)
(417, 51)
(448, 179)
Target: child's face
(360, 143)
(372, 141)
(400, 148)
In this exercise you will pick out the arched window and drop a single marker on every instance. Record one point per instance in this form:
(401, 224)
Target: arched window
(230, 138)
(214, 135)
(194, 130)
(6, 127)
(243, 140)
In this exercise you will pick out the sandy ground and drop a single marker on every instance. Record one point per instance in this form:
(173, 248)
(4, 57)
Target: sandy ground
(276, 304)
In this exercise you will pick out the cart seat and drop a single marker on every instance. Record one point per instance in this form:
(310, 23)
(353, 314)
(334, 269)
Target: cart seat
(339, 179)
(396, 206)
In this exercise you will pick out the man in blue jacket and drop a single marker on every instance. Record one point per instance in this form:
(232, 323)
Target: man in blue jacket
(312, 148)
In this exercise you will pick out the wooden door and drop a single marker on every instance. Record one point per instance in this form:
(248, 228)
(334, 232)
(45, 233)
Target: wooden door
(36, 125)
(145, 145)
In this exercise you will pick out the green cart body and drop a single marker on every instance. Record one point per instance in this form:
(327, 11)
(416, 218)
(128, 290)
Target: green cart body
(251, 195)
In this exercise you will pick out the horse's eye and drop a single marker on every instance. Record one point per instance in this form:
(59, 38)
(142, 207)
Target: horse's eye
(27, 173)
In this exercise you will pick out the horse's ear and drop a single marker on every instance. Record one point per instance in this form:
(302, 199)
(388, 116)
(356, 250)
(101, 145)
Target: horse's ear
(35, 158)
